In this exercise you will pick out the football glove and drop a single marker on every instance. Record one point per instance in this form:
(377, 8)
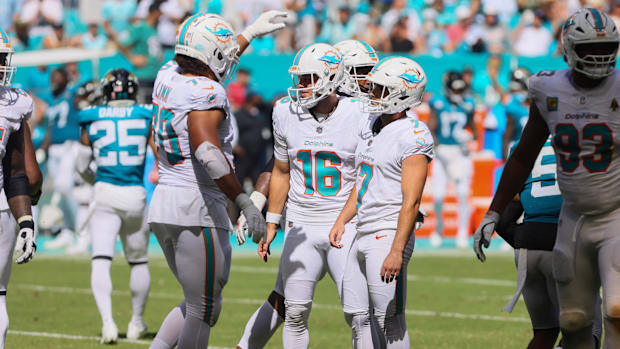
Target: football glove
(259, 201)
(265, 24)
(482, 236)
(257, 228)
(419, 219)
(26, 245)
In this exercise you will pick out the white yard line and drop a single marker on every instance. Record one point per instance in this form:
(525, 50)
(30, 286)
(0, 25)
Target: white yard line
(83, 338)
(412, 312)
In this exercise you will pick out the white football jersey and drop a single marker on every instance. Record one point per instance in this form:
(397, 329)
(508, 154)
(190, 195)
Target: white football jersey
(379, 160)
(174, 96)
(15, 106)
(585, 129)
(321, 156)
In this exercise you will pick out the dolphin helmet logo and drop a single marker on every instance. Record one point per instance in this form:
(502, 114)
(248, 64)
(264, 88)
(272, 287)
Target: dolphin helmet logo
(331, 59)
(411, 78)
(221, 32)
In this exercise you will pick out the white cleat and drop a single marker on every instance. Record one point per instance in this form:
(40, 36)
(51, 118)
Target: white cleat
(109, 333)
(63, 239)
(136, 330)
(462, 243)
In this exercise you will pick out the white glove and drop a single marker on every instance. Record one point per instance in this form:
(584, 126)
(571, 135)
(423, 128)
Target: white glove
(482, 236)
(257, 228)
(419, 219)
(259, 201)
(26, 244)
(265, 24)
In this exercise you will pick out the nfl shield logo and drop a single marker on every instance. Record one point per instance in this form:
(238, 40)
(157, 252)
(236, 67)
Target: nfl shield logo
(369, 142)
(319, 129)
(582, 100)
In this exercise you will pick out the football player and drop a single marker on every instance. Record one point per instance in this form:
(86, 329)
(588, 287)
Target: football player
(579, 108)
(539, 203)
(357, 59)
(21, 179)
(116, 134)
(315, 141)
(193, 133)
(450, 114)
(392, 161)
(62, 135)
(517, 108)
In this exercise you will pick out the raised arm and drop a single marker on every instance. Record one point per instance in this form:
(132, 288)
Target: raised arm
(264, 24)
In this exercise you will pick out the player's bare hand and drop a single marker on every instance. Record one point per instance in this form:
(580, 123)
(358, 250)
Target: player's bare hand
(335, 235)
(263, 246)
(482, 236)
(391, 266)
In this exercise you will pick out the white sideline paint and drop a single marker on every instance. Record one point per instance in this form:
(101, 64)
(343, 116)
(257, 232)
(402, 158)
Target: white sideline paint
(83, 338)
(411, 312)
(410, 277)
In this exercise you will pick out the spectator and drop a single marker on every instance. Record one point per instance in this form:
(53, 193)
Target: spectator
(117, 15)
(23, 41)
(57, 38)
(531, 38)
(237, 90)
(614, 12)
(490, 84)
(40, 14)
(9, 13)
(93, 39)
(254, 135)
(173, 13)
(142, 49)
(435, 36)
(374, 35)
(491, 36)
(338, 29)
(505, 9)
(399, 41)
(397, 11)
(456, 31)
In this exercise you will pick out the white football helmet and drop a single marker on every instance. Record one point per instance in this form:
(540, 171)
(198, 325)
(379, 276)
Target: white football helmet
(323, 64)
(7, 70)
(358, 59)
(396, 84)
(210, 39)
(590, 26)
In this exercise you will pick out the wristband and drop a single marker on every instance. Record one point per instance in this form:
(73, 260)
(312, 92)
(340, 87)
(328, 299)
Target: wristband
(273, 218)
(25, 222)
(258, 199)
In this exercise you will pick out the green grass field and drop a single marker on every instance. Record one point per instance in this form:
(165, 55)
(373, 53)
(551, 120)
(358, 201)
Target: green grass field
(453, 301)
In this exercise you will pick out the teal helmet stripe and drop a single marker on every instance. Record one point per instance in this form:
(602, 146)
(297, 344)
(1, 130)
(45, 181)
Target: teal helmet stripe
(380, 62)
(296, 60)
(5, 38)
(184, 30)
(598, 21)
(371, 51)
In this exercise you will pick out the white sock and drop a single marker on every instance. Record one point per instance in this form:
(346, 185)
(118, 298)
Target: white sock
(261, 327)
(4, 320)
(464, 216)
(140, 284)
(170, 330)
(101, 284)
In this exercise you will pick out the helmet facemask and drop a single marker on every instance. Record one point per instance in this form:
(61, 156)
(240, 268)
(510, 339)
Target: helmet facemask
(383, 99)
(310, 88)
(595, 59)
(356, 80)
(7, 71)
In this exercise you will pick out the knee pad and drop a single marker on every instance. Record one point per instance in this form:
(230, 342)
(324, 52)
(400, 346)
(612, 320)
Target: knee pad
(357, 321)
(297, 315)
(573, 320)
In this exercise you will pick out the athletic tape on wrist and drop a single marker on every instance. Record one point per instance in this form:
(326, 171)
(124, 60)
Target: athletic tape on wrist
(273, 218)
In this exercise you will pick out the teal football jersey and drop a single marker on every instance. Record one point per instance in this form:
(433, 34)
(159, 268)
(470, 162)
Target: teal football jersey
(541, 198)
(516, 110)
(451, 119)
(62, 117)
(118, 136)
